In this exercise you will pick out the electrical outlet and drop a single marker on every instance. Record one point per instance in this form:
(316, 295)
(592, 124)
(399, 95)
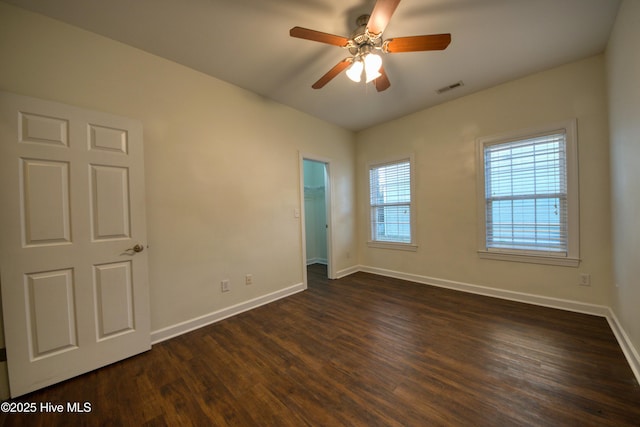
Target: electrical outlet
(248, 279)
(225, 286)
(585, 279)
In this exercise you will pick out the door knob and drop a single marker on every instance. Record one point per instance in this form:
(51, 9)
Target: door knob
(136, 248)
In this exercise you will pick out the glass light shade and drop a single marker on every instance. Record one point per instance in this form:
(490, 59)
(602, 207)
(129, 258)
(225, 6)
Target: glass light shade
(372, 76)
(354, 72)
(372, 64)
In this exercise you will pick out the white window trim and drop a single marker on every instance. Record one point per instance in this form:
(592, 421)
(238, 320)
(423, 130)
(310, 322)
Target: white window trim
(572, 258)
(411, 246)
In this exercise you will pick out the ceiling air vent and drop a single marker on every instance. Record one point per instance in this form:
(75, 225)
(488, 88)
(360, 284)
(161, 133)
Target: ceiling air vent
(450, 87)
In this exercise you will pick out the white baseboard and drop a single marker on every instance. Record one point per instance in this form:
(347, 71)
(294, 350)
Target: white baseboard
(207, 319)
(312, 261)
(625, 343)
(347, 271)
(579, 307)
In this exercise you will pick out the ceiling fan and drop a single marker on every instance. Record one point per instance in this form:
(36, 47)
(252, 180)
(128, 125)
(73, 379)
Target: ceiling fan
(365, 41)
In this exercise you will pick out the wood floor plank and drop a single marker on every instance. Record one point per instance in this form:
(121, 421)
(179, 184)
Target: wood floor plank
(366, 350)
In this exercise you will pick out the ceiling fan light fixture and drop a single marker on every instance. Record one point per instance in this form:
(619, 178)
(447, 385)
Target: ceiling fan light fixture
(354, 72)
(372, 64)
(366, 39)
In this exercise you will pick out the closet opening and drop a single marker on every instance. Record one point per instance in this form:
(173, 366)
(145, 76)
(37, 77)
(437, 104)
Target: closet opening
(317, 217)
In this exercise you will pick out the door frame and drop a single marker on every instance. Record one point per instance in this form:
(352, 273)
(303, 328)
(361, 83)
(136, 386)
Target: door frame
(328, 206)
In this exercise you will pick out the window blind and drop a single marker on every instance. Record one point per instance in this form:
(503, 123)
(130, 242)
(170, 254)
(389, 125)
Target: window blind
(526, 194)
(390, 197)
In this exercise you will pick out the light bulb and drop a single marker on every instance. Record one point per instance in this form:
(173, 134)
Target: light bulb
(354, 72)
(372, 64)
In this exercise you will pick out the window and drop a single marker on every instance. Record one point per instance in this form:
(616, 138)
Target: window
(391, 206)
(529, 196)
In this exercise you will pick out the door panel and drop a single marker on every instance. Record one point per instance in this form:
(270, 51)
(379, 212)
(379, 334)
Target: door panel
(51, 312)
(110, 202)
(72, 191)
(43, 129)
(108, 139)
(114, 295)
(45, 198)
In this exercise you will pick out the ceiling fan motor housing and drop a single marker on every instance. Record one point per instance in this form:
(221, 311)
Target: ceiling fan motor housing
(359, 35)
(363, 42)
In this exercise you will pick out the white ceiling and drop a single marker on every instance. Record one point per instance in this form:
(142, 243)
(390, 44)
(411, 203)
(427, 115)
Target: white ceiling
(247, 43)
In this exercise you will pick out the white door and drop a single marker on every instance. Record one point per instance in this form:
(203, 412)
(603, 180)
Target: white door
(75, 297)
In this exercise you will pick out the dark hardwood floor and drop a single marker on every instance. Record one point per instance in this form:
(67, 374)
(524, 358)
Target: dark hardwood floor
(366, 351)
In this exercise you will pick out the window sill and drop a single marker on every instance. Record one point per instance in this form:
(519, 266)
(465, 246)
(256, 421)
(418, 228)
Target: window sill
(529, 258)
(391, 245)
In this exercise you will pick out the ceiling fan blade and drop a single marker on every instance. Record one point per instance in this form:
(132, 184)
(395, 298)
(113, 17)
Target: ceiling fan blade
(337, 69)
(381, 15)
(318, 36)
(417, 43)
(382, 82)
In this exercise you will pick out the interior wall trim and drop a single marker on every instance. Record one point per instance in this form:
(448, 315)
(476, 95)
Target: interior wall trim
(569, 305)
(628, 349)
(630, 352)
(316, 260)
(218, 315)
(347, 271)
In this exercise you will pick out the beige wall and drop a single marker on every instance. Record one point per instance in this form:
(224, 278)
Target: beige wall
(442, 139)
(623, 69)
(222, 163)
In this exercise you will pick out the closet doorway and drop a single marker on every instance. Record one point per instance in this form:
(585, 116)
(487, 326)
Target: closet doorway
(317, 213)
